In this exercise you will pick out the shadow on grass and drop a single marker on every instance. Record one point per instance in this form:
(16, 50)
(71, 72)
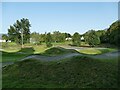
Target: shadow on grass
(29, 50)
(58, 51)
(14, 56)
(80, 46)
(78, 71)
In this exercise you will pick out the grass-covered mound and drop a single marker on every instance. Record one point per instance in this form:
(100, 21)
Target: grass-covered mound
(95, 51)
(58, 51)
(81, 72)
(12, 57)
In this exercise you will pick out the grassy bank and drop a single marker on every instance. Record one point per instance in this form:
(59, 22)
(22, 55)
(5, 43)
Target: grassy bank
(81, 72)
(58, 51)
(94, 51)
(14, 51)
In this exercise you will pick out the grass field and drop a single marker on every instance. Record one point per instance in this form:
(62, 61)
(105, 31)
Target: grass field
(58, 51)
(94, 51)
(76, 72)
(13, 52)
(13, 47)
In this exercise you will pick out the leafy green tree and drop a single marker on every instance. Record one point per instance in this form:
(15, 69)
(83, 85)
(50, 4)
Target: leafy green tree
(62, 37)
(55, 36)
(102, 35)
(67, 35)
(48, 40)
(5, 37)
(113, 33)
(92, 38)
(35, 38)
(42, 37)
(13, 34)
(76, 39)
(20, 31)
(104, 38)
(58, 36)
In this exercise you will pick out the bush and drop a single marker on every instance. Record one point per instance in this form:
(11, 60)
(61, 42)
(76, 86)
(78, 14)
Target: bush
(48, 44)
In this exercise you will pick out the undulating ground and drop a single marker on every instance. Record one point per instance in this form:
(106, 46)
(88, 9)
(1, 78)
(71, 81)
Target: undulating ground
(77, 71)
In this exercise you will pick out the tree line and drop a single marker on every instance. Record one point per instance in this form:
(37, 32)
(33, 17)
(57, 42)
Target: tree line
(19, 32)
(56, 36)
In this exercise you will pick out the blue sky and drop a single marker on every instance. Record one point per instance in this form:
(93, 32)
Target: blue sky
(62, 16)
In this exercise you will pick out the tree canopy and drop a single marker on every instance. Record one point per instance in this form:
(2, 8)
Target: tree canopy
(113, 33)
(20, 30)
(58, 36)
(48, 40)
(92, 38)
(76, 39)
(5, 37)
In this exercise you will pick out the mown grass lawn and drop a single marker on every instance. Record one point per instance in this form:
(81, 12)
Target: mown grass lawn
(13, 47)
(94, 51)
(12, 52)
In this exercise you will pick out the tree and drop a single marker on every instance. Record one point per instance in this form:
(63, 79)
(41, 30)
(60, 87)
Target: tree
(5, 37)
(104, 38)
(35, 38)
(113, 33)
(92, 38)
(76, 39)
(102, 35)
(42, 37)
(67, 35)
(48, 40)
(20, 31)
(58, 36)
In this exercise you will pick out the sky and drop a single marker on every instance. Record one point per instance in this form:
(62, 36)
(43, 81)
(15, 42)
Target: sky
(60, 0)
(67, 17)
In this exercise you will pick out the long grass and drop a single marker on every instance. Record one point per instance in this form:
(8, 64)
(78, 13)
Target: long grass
(76, 72)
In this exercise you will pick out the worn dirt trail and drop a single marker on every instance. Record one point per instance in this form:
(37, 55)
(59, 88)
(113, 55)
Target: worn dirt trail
(109, 56)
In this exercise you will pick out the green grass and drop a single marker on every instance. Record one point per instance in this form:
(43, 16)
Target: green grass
(39, 48)
(14, 52)
(12, 57)
(81, 72)
(13, 47)
(58, 51)
(90, 51)
(94, 51)
(76, 72)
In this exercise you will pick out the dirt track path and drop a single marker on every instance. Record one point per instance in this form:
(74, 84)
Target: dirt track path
(51, 58)
(109, 56)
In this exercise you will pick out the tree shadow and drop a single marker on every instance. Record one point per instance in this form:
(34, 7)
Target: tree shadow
(28, 50)
(14, 56)
(78, 46)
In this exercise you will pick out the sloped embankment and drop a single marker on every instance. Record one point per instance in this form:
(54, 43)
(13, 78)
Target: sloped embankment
(78, 71)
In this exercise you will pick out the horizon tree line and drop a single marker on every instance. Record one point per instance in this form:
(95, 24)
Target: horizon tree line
(19, 33)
